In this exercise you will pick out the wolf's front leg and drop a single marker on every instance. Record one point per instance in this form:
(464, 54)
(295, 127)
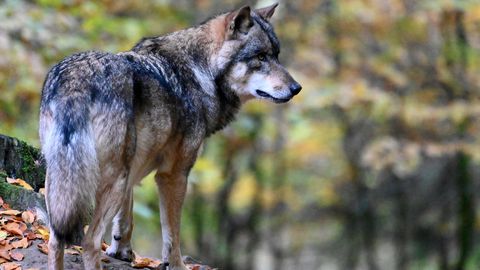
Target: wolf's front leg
(172, 189)
(122, 227)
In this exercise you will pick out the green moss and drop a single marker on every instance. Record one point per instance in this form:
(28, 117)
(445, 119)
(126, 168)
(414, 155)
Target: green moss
(31, 171)
(27, 154)
(7, 190)
(20, 198)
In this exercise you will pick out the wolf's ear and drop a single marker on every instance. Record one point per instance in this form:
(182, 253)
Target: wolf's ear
(266, 12)
(238, 21)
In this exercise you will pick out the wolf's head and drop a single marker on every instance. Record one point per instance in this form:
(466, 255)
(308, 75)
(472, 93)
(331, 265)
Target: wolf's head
(247, 52)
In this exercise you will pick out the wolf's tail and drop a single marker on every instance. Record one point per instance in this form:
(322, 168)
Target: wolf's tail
(72, 168)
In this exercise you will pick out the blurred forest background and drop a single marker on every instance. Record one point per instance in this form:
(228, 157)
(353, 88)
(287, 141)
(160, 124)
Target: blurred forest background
(375, 165)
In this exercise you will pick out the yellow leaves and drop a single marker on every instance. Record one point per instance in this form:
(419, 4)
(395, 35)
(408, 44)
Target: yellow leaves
(244, 191)
(256, 107)
(210, 176)
(422, 114)
(19, 182)
(387, 152)
(268, 198)
(473, 14)
(43, 232)
(328, 195)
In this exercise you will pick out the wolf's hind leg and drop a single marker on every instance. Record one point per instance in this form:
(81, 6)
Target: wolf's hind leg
(55, 252)
(172, 188)
(109, 197)
(122, 228)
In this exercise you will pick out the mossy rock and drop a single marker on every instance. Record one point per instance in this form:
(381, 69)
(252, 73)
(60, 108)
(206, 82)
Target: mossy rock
(20, 198)
(20, 160)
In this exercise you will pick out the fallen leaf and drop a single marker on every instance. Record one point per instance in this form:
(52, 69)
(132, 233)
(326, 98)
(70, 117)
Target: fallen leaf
(11, 266)
(13, 228)
(140, 262)
(2, 260)
(22, 243)
(155, 264)
(3, 235)
(43, 248)
(33, 268)
(31, 236)
(22, 226)
(17, 256)
(104, 246)
(42, 191)
(43, 231)
(10, 212)
(72, 251)
(1, 201)
(28, 217)
(19, 182)
(6, 247)
(5, 254)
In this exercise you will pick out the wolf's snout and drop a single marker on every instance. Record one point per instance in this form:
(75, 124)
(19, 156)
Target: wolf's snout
(295, 88)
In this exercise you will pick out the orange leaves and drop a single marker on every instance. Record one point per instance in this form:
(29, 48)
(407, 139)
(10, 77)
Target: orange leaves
(142, 262)
(17, 231)
(13, 228)
(43, 248)
(20, 230)
(22, 243)
(17, 256)
(11, 266)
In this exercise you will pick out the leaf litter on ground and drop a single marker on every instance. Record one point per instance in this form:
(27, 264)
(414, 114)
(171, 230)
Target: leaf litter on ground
(19, 229)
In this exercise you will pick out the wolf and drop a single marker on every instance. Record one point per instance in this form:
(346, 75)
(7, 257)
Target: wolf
(107, 120)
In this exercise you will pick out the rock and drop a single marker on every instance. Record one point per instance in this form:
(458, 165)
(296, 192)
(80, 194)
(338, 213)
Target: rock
(20, 160)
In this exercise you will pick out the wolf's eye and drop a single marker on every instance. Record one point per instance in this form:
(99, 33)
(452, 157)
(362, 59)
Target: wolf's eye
(261, 57)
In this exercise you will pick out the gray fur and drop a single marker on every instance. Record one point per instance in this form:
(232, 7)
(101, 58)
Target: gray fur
(107, 120)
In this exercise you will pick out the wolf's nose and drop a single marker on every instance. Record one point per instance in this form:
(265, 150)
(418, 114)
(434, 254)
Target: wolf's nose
(295, 88)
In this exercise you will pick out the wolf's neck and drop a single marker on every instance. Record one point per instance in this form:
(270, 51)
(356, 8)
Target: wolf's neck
(185, 58)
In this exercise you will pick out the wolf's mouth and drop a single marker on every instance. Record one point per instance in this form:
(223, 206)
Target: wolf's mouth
(267, 95)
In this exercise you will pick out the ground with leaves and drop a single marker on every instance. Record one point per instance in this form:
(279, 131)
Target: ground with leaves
(24, 237)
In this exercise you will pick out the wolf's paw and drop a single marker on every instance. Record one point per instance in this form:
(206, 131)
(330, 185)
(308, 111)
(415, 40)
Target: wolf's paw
(124, 254)
(189, 260)
(167, 266)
